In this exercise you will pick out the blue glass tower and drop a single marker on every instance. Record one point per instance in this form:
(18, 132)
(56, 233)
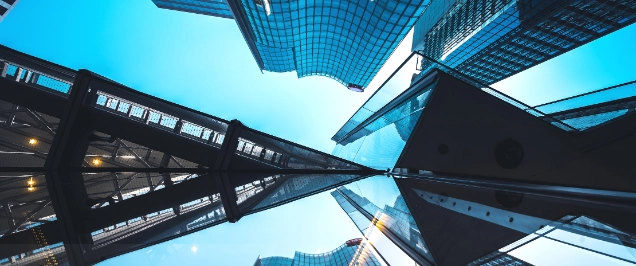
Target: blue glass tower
(353, 252)
(491, 40)
(347, 41)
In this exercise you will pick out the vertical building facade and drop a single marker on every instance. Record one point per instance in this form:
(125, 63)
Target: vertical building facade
(347, 41)
(491, 40)
(6, 6)
(353, 252)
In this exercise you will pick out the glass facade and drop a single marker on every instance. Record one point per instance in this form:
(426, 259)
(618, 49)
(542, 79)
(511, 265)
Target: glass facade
(216, 8)
(491, 40)
(380, 142)
(577, 238)
(347, 41)
(354, 252)
(376, 202)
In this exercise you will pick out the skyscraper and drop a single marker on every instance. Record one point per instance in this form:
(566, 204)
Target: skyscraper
(353, 252)
(347, 41)
(6, 6)
(491, 40)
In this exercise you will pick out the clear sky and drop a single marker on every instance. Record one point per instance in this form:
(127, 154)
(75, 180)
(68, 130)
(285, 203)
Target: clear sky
(203, 62)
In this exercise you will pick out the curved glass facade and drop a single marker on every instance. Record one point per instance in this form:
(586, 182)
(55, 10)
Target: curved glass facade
(355, 253)
(345, 40)
(276, 261)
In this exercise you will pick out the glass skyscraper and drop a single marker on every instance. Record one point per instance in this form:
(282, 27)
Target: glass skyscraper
(353, 252)
(491, 40)
(347, 41)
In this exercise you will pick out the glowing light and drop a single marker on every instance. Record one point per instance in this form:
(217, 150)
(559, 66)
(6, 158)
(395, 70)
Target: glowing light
(97, 162)
(31, 182)
(194, 249)
(33, 141)
(30, 189)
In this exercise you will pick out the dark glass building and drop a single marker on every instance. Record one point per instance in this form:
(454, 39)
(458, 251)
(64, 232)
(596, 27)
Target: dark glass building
(6, 6)
(440, 130)
(347, 41)
(491, 40)
(353, 252)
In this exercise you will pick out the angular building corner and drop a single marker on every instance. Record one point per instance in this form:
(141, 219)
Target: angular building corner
(473, 164)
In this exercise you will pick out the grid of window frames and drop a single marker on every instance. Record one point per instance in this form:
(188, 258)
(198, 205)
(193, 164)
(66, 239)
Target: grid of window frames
(491, 40)
(346, 40)
(277, 261)
(217, 8)
(357, 254)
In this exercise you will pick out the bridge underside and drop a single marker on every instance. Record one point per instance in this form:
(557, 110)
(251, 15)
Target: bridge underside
(91, 169)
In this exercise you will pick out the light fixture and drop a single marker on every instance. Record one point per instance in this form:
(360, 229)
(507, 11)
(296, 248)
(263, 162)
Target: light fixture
(33, 141)
(97, 162)
(31, 183)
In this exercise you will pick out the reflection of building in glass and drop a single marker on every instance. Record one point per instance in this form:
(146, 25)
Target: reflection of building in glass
(492, 40)
(353, 252)
(347, 41)
(394, 219)
(6, 6)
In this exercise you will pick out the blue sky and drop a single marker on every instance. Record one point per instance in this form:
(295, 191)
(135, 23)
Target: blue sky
(203, 63)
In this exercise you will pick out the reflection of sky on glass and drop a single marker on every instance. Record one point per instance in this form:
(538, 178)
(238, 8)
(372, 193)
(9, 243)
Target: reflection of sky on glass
(203, 63)
(381, 148)
(544, 251)
(380, 190)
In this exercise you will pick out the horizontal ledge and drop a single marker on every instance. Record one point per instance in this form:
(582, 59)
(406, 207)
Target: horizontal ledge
(189, 170)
